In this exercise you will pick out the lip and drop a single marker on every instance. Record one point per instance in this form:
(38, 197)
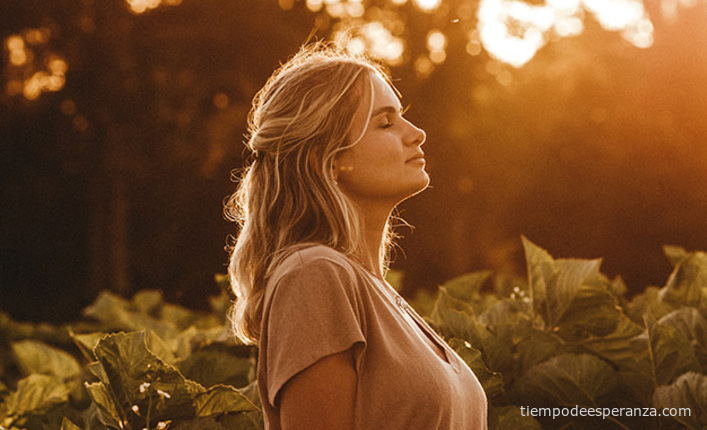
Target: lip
(419, 157)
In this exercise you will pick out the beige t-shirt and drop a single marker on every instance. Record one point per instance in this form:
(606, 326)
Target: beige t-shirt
(319, 302)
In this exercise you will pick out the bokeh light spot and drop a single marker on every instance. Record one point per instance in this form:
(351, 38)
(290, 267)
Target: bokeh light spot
(428, 5)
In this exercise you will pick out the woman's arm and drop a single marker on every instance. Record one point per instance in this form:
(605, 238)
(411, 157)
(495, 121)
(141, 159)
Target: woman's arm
(321, 396)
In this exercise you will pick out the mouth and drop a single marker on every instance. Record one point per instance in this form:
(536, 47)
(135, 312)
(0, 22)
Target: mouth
(417, 158)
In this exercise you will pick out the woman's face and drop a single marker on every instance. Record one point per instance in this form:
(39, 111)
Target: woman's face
(386, 166)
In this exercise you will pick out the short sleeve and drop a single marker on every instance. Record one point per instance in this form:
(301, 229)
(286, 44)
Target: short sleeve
(314, 312)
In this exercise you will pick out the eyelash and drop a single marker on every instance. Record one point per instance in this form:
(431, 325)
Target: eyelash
(390, 123)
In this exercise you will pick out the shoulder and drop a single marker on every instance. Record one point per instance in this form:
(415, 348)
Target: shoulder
(312, 259)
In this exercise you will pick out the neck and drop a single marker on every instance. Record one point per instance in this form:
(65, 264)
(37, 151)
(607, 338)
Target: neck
(374, 221)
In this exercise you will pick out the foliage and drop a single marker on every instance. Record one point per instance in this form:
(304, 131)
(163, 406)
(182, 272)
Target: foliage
(568, 337)
(565, 337)
(173, 368)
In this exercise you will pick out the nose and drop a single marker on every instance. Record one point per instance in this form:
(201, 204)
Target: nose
(417, 136)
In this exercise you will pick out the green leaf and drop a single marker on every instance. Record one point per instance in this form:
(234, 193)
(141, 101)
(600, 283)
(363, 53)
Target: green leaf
(217, 365)
(536, 348)
(36, 394)
(149, 302)
(572, 379)
(37, 357)
(87, 341)
(693, 326)
(108, 412)
(159, 347)
(510, 417)
(615, 347)
(508, 320)
(454, 318)
(684, 286)
(669, 351)
(675, 254)
(649, 301)
(222, 399)
(243, 421)
(66, 424)
(491, 381)
(117, 313)
(688, 391)
(467, 287)
(139, 378)
(592, 311)
(541, 271)
(554, 284)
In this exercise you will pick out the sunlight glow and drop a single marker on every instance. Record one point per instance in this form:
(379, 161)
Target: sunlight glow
(437, 45)
(513, 31)
(614, 15)
(428, 5)
(33, 68)
(315, 5)
(372, 37)
(140, 6)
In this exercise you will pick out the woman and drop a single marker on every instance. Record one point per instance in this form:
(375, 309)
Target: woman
(339, 349)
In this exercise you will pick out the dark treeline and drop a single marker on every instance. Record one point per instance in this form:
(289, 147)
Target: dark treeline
(593, 149)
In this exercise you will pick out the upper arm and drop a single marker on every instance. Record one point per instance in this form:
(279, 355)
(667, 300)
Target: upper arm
(314, 312)
(322, 396)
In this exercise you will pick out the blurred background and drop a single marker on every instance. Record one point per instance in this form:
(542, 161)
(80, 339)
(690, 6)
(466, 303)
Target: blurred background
(577, 123)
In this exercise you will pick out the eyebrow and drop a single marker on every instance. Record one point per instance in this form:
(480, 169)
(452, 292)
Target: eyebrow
(386, 109)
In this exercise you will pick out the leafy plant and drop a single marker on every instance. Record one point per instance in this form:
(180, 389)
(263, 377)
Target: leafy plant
(566, 336)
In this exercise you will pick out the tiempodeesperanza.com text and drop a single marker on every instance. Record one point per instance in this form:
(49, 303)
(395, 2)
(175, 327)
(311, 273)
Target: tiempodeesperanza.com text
(578, 411)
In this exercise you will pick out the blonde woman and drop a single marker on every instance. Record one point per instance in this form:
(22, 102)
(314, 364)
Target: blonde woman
(338, 348)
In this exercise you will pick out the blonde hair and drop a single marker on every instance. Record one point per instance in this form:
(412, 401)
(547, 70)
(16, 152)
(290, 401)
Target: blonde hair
(288, 196)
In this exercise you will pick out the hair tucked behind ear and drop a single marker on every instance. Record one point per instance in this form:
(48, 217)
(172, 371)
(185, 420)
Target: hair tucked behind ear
(288, 196)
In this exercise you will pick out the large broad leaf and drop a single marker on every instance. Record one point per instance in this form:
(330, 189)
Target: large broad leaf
(572, 379)
(689, 277)
(117, 313)
(509, 320)
(511, 417)
(615, 347)
(222, 399)
(649, 301)
(491, 381)
(143, 384)
(37, 357)
(693, 325)
(669, 352)
(215, 365)
(593, 311)
(467, 287)
(456, 319)
(554, 284)
(66, 424)
(108, 412)
(140, 381)
(675, 254)
(536, 348)
(688, 391)
(35, 395)
(87, 342)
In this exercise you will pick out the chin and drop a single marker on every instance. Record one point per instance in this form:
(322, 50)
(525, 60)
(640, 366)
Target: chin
(420, 187)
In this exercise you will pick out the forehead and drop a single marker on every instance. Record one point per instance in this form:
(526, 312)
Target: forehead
(383, 94)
